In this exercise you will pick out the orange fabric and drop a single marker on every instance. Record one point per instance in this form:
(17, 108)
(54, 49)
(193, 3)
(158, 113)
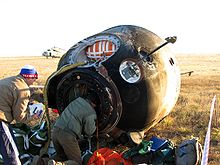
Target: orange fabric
(107, 156)
(100, 49)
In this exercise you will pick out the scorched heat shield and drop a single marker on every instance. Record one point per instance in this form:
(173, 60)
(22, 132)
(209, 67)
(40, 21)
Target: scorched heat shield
(133, 73)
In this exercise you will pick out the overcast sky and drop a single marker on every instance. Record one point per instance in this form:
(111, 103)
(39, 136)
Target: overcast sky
(28, 27)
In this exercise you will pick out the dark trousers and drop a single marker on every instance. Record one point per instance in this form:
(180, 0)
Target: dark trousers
(8, 148)
(66, 146)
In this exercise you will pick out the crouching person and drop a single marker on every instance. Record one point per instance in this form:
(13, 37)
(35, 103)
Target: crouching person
(78, 118)
(14, 100)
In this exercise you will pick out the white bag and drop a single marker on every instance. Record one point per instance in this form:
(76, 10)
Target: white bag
(36, 109)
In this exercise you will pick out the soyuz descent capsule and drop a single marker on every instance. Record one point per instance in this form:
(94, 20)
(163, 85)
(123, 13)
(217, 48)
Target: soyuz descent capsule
(132, 71)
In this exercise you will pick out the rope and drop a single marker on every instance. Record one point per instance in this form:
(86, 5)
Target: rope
(97, 135)
(207, 138)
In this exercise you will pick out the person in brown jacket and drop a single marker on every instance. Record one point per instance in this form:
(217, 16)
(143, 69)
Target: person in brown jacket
(14, 99)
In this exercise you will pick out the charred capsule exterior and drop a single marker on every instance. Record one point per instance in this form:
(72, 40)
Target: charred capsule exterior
(136, 102)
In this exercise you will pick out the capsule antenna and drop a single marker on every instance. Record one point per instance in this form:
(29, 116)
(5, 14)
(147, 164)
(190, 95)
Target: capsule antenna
(130, 70)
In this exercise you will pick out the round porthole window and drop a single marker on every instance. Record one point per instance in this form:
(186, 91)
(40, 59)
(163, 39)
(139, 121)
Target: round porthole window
(130, 71)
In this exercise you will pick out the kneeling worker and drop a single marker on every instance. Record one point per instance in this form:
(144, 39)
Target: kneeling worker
(77, 119)
(14, 100)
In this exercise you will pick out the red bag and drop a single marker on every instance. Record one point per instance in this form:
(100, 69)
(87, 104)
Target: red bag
(107, 156)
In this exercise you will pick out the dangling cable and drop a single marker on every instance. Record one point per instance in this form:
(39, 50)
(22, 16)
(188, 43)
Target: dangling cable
(97, 135)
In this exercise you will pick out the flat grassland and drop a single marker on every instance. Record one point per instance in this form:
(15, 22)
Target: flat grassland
(190, 115)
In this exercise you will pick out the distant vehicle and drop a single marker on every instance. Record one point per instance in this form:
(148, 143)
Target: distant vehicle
(54, 52)
(135, 76)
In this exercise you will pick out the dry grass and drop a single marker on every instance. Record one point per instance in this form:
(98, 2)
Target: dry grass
(11, 66)
(190, 116)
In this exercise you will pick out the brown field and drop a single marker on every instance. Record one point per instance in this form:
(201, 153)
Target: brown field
(189, 117)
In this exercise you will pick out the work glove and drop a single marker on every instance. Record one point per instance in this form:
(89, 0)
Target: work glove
(36, 109)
